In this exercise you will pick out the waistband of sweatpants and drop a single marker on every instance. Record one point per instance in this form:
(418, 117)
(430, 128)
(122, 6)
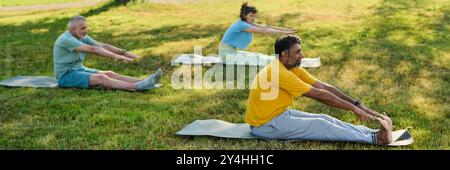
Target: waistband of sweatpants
(284, 112)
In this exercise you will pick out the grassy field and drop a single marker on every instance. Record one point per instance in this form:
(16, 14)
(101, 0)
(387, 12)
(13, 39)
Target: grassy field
(394, 55)
(32, 2)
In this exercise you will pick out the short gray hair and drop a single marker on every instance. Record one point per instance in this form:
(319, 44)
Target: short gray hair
(74, 20)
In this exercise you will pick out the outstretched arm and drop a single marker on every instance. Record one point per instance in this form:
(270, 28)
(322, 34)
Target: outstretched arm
(330, 99)
(269, 31)
(273, 27)
(116, 50)
(343, 96)
(101, 52)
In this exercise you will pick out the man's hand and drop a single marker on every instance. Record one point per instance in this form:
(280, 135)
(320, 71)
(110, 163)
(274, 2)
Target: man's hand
(126, 60)
(131, 55)
(362, 115)
(370, 111)
(122, 58)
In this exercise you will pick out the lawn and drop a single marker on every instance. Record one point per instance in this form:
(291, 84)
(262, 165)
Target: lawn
(394, 55)
(32, 2)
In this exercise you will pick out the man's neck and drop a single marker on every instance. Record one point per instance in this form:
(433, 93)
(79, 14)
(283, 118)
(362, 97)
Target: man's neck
(73, 34)
(286, 66)
(289, 68)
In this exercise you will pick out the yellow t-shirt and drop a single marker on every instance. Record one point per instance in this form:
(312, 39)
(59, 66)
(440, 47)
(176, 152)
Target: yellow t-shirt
(268, 98)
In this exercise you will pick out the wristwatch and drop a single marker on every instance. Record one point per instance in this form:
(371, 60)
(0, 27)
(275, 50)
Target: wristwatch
(357, 102)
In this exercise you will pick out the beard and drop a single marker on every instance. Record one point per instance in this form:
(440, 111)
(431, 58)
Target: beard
(297, 64)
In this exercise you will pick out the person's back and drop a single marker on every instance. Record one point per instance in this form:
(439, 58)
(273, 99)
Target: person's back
(270, 95)
(240, 34)
(236, 36)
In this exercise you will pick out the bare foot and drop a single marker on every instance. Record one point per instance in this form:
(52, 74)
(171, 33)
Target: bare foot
(385, 117)
(384, 136)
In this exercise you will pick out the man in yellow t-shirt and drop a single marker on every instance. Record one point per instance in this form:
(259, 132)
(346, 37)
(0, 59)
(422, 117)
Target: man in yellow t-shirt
(273, 91)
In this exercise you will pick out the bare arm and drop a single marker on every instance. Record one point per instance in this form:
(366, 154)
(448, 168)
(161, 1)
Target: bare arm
(269, 31)
(334, 90)
(273, 27)
(343, 96)
(116, 50)
(110, 48)
(330, 99)
(101, 52)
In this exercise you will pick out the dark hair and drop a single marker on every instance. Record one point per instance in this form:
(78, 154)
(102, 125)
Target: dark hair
(246, 9)
(285, 42)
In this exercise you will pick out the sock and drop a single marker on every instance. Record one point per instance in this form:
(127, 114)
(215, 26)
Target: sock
(150, 81)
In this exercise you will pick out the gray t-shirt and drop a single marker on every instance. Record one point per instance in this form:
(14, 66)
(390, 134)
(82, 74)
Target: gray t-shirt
(65, 57)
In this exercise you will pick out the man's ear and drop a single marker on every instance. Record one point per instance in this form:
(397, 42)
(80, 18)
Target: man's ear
(281, 54)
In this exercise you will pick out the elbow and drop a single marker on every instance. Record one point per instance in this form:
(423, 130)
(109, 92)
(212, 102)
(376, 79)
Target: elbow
(316, 94)
(95, 50)
(321, 95)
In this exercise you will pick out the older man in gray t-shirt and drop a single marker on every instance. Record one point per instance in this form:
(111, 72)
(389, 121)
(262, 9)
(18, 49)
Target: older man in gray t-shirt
(69, 52)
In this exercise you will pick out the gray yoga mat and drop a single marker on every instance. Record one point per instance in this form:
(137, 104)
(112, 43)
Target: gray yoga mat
(222, 129)
(193, 59)
(30, 81)
(37, 81)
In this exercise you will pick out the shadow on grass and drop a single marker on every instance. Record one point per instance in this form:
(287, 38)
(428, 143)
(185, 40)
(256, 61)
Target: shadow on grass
(36, 38)
(397, 35)
(387, 54)
(30, 44)
(228, 105)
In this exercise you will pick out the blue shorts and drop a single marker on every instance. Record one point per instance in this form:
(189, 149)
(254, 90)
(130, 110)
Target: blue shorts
(76, 78)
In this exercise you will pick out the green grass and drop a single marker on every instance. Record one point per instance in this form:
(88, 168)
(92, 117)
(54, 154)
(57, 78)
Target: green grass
(31, 2)
(394, 55)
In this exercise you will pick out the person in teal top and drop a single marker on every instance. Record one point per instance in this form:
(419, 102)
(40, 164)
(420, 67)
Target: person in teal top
(240, 34)
(236, 35)
(69, 53)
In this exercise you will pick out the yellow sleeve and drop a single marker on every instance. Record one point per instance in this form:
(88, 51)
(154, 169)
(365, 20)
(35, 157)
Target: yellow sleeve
(304, 75)
(292, 84)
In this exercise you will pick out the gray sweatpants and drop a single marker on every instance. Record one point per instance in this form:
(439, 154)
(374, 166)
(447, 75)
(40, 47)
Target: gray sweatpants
(298, 125)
